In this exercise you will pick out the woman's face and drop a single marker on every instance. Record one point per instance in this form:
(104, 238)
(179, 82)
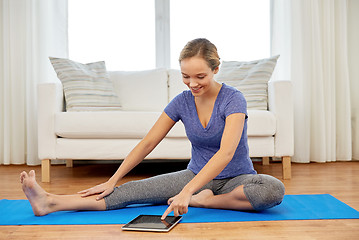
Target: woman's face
(197, 75)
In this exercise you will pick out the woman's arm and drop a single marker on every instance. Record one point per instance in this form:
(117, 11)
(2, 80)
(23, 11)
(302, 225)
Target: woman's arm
(159, 130)
(230, 139)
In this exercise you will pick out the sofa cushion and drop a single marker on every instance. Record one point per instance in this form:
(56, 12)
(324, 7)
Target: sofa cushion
(261, 123)
(251, 78)
(119, 124)
(261, 146)
(101, 149)
(141, 90)
(129, 124)
(175, 83)
(86, 86)
(104, 125)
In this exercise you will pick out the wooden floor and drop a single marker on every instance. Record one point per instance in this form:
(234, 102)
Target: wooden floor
(339, 179)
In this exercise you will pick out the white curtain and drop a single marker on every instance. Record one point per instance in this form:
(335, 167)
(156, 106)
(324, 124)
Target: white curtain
(312, 38)
(30, 32)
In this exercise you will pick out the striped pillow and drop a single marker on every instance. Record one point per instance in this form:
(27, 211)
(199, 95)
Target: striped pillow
(251, 78)
(87, 87)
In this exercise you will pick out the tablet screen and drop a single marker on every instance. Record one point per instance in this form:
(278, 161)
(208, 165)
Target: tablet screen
(152, 223)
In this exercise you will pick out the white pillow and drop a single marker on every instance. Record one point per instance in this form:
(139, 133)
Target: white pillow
(141, 90)
(175, 83)
(251, 78)
(87, 87)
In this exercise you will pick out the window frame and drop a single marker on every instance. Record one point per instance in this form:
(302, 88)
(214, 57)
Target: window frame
(162, 28)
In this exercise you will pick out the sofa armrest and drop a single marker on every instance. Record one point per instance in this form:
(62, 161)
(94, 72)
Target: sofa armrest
(50, 100)
(280, 101)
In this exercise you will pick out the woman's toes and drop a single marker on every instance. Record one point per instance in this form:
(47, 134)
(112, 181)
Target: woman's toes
(32, 173)
(23, 175)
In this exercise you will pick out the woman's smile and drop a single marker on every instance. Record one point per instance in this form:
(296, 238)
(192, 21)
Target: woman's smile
(196, 89)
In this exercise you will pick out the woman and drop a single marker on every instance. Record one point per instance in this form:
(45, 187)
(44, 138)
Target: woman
(220, 173)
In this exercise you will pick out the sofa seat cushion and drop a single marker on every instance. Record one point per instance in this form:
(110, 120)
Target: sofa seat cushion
(130, 124)
(107, 125)
(119, 124)
(261, 123)
(100, 149)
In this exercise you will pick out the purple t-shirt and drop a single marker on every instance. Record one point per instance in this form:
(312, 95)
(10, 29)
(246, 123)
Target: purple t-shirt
(206, 141)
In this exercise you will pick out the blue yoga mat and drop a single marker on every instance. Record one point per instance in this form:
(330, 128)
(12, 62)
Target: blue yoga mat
(293, 207)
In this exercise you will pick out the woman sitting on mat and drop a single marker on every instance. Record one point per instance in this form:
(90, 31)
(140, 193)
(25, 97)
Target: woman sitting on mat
(220, 173)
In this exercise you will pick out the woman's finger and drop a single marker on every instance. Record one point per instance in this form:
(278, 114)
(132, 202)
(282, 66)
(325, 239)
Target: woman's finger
(168, 211)
(84, 191)
(185, 211)
(180, 210)
(88, 193)
(101, 196)
(169, 202)
(176, 212)
(104, 194)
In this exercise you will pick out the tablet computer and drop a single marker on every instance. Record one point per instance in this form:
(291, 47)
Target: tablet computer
(152, 223)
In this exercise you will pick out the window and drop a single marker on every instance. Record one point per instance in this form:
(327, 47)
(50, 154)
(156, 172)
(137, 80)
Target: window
(120, 32)
(239, 28)
(145, 34)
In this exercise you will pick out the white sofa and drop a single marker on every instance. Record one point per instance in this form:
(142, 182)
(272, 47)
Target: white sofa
(105, 135)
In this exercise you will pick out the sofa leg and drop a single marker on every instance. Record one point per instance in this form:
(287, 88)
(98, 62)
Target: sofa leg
(45, 170)
(265, 161)
(69, 163)
(286, 168)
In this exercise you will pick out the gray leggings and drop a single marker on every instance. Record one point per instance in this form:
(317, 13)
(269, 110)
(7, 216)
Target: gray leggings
(262, 191)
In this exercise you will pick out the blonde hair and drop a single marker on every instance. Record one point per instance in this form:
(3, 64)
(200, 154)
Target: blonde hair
(201, 47)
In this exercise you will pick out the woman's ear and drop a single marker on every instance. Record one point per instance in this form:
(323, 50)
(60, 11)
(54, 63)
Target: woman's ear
(215, 71)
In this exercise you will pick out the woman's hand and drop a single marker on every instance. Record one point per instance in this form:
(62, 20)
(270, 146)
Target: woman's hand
(178, 204)
(103, 190)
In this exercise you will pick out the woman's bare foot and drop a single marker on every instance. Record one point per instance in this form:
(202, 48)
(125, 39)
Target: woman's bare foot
(39, 199)
(200, 199)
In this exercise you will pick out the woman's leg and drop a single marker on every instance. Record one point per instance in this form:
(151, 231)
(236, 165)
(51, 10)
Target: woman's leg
(234, 200)
(244, 192)
(44, 203)
(154, 190)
